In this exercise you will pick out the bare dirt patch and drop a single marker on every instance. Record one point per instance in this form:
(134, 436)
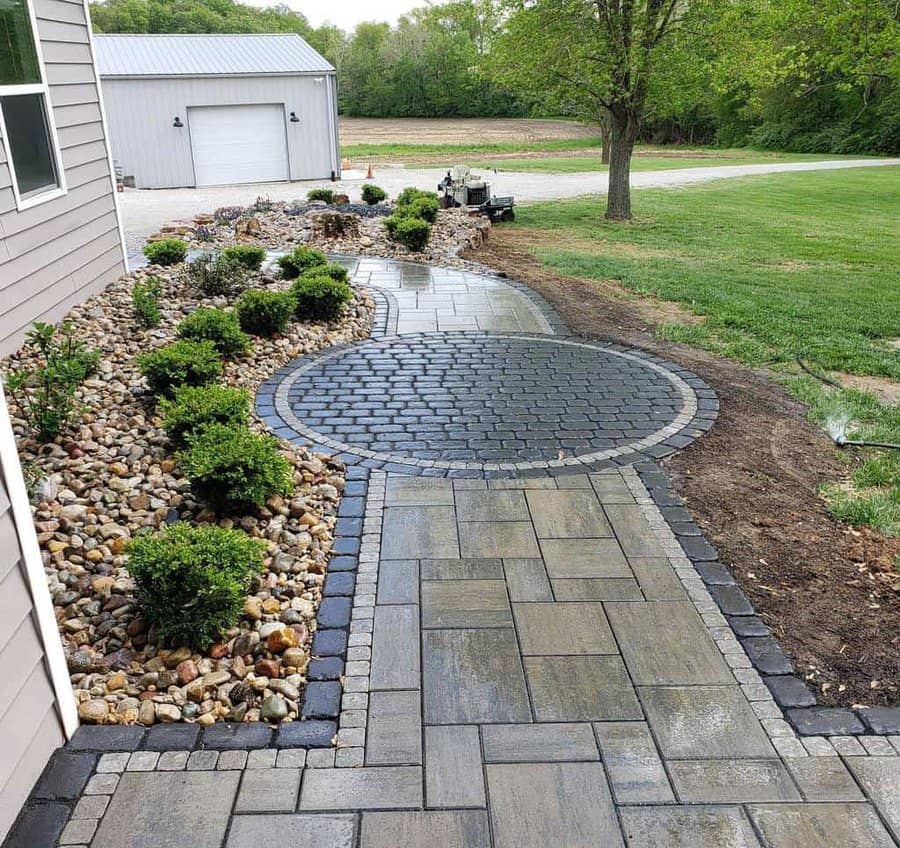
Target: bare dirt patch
(885, 389)
(830, 594)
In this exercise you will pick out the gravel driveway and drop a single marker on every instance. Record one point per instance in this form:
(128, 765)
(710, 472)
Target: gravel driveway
(144, 211)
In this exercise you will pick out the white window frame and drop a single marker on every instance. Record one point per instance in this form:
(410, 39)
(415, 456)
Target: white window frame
(43, 89)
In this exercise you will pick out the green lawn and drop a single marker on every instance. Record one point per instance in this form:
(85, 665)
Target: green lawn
(780, 266)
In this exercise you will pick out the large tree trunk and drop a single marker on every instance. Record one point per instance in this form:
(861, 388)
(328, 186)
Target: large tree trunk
(623, 133)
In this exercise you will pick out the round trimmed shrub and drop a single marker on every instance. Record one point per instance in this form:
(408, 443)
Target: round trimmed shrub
(249, 255)
(168, 251)
(264, 313)
(234, 469)
(191, 582)
(216, 326)
(372, 194)
(324, 194)
(335, 270)
(182, 363)
(194, 408)
(412, 233)
(215, 275)
(301, 259)
(319, 297)
(425, 208)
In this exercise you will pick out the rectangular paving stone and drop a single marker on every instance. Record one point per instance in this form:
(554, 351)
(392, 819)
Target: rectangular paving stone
(731, 781)
(562, 629)
(268, 790)
(456, 828)
(497, 539)
(597, 589)
(453, 773)
(398, 582)
(152, 809)
(633, 531)
(395, 648)
(524, 743)
(633, 766)
(536, 805)
(508, 505)
(657, 579)
(461, 569)
(378, 788)
(666, 642)
(473, 677)
(567, 514)
(395, 729)
(584, 558)
(295, 831)
(687, 827)
(704, 722)
(419, 532)
(880, 778)
(527, 580)
(473, 603)
(823, 779)
(820, 826)
(417, 491)
(65, 776)
(581, 689)
(611, 488)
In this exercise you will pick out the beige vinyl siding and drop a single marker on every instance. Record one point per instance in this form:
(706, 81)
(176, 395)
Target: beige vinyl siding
(56, 254)
(30, 728)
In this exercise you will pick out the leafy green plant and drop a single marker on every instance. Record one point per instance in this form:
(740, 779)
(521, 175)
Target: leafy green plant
(301, 259)
(215, 275)
(334, 270)
(264, 313)
(319, 297)
(182, 363)
(325, 194)
(249, 255)
(372, 194)
(145, 301)
(191, 582)
(216, 326)
(409, 194)
(168, 251)
(233, 468)
(413, 233)
(45, 393)
(424, 207)
(194, 408)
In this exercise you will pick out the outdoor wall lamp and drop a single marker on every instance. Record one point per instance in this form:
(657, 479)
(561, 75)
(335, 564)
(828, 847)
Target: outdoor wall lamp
(177, 122)
(294, 118)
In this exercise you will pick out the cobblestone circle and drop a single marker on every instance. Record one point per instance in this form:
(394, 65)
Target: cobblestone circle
(484, 399)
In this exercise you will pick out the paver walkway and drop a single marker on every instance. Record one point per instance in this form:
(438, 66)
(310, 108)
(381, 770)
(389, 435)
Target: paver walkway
(533, 660)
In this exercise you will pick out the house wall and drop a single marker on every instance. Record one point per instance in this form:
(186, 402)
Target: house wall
(57, 253)
(141, 112)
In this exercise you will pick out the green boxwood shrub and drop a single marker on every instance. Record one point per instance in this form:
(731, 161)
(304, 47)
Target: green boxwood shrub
(216, 275)
(182, 363)
(425, 208)
(168, 251)
(413, 233)
(194, 408)
(372, 194)
(301, 259)
(325, 194)
(191, 582)
(319, 297)
(145, 302)
(411, 193)
(233, 468)
(216, 326)
(264, 313)
(249, 255)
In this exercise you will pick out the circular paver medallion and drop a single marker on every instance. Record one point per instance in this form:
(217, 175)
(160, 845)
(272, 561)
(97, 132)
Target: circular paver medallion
(484, 401)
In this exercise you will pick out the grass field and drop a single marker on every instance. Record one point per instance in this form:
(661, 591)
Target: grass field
(777, 267)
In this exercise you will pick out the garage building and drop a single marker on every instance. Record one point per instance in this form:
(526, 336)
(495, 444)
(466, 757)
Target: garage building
(203, 110)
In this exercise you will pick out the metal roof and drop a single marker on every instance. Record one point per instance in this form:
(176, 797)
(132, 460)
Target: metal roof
(206, 55)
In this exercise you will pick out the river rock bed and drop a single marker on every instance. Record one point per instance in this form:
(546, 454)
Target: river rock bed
(114, 475)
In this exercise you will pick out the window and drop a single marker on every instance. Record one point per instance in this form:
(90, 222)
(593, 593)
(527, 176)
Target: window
(29, 137)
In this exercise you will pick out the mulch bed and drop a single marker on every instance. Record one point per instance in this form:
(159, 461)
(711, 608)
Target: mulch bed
(830, 593)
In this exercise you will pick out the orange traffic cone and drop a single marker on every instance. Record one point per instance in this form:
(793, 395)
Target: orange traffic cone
(370, 173)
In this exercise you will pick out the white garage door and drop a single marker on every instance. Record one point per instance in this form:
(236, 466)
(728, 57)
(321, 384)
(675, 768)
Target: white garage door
(238, 144)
